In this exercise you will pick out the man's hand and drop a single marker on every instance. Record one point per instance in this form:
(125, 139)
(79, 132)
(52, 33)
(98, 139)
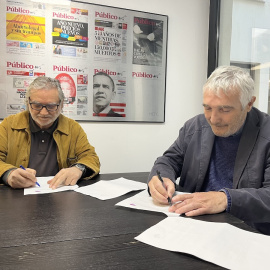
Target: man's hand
(199, 203)
(66, 177)
(161, 191)
(20, 178)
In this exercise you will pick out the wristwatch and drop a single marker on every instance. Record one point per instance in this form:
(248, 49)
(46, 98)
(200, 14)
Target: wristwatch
(81, 167)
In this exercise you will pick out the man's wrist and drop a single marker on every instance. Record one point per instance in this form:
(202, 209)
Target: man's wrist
(229, 200)
(81, 167)
(6, 175)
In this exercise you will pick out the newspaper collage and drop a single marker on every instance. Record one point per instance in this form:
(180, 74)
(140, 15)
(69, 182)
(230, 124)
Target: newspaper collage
(77, 43)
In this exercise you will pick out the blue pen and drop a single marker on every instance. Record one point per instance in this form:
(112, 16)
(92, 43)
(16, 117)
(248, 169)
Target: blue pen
(21, 166)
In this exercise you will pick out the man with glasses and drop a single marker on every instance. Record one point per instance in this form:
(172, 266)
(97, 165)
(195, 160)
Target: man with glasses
(44, 141)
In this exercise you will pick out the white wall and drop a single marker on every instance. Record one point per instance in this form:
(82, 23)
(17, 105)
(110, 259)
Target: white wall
(133, 147)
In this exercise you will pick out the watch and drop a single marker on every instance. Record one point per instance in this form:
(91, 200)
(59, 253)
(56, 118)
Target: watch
(81, 167)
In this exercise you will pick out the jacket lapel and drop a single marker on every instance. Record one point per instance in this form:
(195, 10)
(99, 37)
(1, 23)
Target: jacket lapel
(208, 139)
(63, 124)
(248, 139)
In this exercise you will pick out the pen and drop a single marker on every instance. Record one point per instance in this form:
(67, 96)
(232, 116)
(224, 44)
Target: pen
(21, 166)
(161, 180)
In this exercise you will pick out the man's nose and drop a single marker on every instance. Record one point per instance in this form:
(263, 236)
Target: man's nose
(99, 91)
(44, 111)
(215, 117)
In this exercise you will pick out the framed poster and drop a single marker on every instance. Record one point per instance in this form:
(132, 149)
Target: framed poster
(111, 62)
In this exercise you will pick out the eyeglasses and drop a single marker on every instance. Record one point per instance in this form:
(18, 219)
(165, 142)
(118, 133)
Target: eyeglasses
(39, 106)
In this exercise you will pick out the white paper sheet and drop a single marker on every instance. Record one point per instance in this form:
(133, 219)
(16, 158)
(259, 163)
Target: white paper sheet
(219, 243)
(143, 201)
(44, 187)
(105, 190)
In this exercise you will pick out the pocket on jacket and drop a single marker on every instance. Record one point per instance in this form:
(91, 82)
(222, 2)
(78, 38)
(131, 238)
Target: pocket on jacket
(71, 161)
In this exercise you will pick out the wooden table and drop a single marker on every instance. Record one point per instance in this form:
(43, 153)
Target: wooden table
(69, 230)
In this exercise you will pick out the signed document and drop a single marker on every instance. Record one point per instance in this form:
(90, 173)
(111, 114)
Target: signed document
(143, 201)
(44, 187)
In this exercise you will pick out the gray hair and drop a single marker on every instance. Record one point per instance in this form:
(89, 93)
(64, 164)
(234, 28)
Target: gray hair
(46, 83)
(231, 79)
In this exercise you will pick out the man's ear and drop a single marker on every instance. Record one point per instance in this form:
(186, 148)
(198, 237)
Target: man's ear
(250, 104)
(113, 95)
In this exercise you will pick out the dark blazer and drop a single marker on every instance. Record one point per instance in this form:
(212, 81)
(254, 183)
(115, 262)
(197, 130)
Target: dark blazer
(189, 157)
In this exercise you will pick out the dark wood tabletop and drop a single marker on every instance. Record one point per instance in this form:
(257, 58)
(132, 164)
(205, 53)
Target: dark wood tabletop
(69, 230)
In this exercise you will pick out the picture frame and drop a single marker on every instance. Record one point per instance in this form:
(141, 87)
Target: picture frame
(77, 43)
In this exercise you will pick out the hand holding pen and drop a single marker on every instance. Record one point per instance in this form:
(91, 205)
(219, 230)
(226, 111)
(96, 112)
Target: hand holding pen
(160, 178)
(21, 178)
(21, 166)
(161, 189)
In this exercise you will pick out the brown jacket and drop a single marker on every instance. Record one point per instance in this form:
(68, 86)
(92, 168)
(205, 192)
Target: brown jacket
(71, 140)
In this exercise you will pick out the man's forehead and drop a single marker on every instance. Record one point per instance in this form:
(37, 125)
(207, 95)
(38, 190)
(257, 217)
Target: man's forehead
(34, 90)
(221, 99)
(101, 79)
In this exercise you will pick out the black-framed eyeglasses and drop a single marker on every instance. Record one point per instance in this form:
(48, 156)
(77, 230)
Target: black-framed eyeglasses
(38, 106)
